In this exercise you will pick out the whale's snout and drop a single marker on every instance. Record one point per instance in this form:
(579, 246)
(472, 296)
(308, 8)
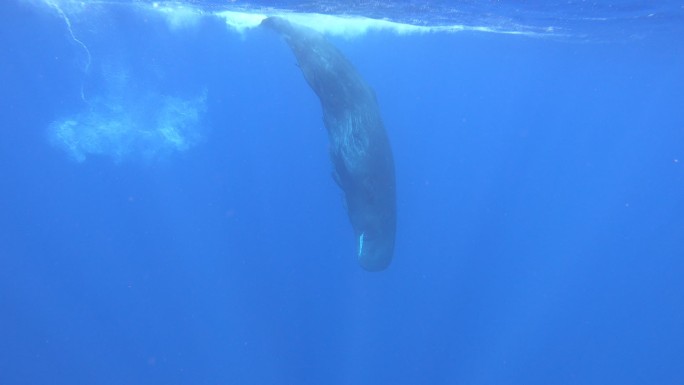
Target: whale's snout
(375, 253)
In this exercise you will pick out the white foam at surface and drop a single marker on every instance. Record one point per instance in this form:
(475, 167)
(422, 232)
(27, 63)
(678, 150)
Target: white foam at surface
(347, 26)
(183, 15)
(179, 16)
(241, 21)
(350, 26)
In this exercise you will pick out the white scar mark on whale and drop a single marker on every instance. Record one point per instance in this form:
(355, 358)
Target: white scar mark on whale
(67, 22)
(361, 244)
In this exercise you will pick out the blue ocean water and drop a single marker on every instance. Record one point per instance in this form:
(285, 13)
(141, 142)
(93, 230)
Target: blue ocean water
(167, 214)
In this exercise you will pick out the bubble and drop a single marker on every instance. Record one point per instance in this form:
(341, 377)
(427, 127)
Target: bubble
(130, 127)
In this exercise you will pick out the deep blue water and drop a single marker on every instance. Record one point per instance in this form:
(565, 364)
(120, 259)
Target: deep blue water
(167, 214)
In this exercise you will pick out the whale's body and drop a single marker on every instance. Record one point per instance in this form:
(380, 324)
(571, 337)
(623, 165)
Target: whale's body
(359, 148)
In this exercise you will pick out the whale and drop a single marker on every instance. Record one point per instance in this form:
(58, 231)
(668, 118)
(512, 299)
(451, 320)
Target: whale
(360, 151)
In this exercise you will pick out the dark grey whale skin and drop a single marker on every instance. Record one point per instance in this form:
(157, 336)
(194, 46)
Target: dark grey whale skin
(359, 148)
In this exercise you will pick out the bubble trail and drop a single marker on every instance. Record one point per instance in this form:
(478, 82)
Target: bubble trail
(67, 22)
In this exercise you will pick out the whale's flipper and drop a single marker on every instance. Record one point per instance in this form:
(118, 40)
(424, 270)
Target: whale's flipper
(359, 147)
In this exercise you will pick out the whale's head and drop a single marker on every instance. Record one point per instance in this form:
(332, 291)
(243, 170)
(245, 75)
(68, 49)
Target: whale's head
(375, 251)
(374, 220)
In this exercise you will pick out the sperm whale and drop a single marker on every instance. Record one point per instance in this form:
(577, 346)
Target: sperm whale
(360, 151)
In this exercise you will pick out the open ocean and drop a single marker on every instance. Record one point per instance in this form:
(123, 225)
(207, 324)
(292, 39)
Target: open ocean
(168, 216)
